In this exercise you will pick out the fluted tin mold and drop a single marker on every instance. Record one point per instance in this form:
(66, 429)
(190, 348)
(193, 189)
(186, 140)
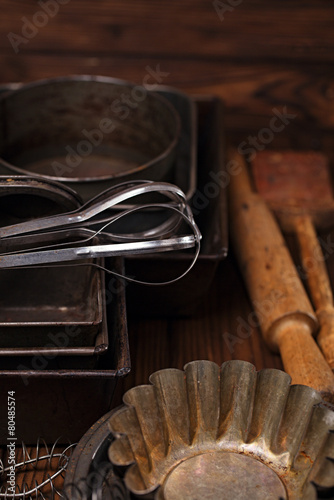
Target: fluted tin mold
(228, 432)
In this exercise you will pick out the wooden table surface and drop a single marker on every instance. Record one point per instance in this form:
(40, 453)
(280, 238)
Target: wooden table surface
(257, 56)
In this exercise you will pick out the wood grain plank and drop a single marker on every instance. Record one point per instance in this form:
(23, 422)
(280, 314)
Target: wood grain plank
(250, 30)
(212, 333)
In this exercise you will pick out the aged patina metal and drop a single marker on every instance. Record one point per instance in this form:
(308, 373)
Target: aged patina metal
(23, 197)
(229, 432)
(40, 383)
(183, 171)
(271, 277)
(210, 212)
(201, 477)
(38, 304)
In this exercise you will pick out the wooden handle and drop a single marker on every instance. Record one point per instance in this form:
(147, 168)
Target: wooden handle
(313, 262)
(277, 294)
(304, 361)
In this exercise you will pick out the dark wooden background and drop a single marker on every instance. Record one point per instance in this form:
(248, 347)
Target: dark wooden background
(256, 55)
(262, 54)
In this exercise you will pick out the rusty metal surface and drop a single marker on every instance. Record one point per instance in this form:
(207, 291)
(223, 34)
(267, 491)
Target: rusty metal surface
(47, 302)
(50, 296)
(41, 383)
(201, 477)
(37, 304)
(82, 133)
(215, 424)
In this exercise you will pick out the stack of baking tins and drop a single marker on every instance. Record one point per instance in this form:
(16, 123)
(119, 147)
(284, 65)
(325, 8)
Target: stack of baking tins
(53, 327)
(71, 342)
(47, 310)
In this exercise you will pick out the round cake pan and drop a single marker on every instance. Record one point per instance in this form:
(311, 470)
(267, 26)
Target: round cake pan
(209, 432)
(88, 132)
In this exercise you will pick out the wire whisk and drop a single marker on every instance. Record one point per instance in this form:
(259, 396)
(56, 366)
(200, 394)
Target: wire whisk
(45, 490)
(103, 228)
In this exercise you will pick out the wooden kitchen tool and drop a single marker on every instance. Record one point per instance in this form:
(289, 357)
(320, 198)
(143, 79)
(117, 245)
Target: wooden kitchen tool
(297, 186)
(285, 314)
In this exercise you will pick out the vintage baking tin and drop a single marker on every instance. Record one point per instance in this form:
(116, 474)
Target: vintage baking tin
(296, 426)
(208, 203)
(183, 170)
(55, 402)
(229, 432)
(24, 197)
(89, 132)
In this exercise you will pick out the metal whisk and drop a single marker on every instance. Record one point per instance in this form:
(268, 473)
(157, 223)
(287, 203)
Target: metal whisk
(88, 233)
(46, 490)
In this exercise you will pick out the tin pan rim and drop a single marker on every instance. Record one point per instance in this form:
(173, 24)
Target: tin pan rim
(99, 79)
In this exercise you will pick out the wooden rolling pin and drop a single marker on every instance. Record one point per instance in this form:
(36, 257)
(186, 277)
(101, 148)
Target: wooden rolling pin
(285, 314)
(319, 284)
(296, 185)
